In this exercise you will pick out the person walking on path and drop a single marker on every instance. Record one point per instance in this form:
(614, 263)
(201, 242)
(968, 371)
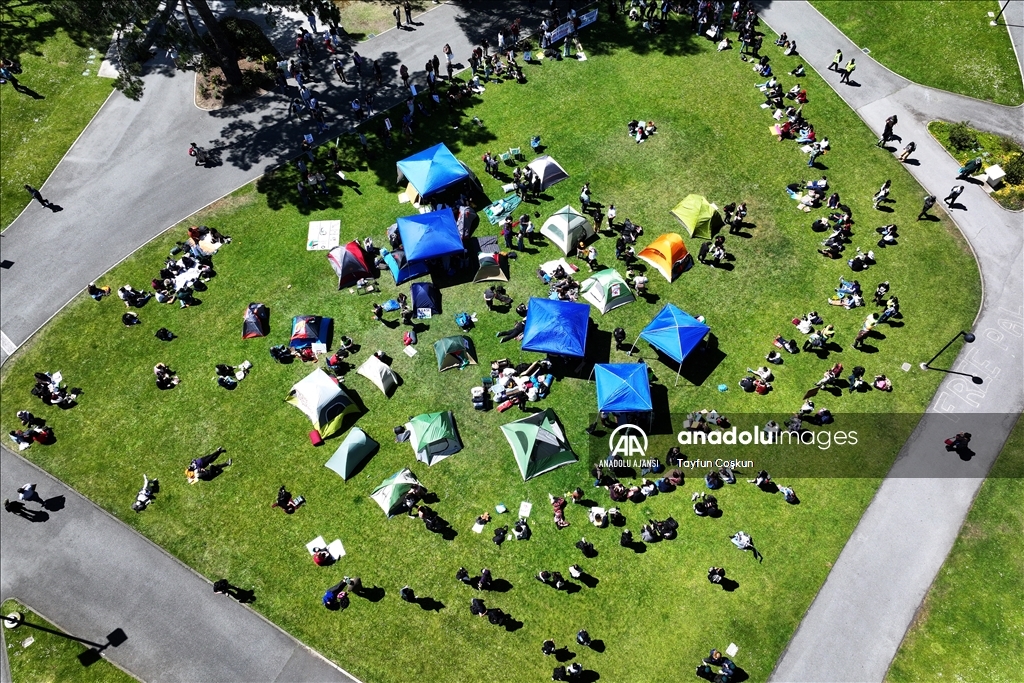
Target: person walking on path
(339, 68)
(929, 202)
(38, 196)
(953, 195)
(850, 66)
(909, 149)
(397, 12)
(887, 135)
(836, 61)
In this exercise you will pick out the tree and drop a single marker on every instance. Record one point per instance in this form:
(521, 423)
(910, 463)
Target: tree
(137, 24)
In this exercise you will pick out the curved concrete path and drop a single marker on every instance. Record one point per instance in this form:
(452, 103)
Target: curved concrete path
(859, 618)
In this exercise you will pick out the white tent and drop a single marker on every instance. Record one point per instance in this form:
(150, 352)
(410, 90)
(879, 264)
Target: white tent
(606, 290)
(566, 227)
(380, 373)
(322, 400)
(548, 170)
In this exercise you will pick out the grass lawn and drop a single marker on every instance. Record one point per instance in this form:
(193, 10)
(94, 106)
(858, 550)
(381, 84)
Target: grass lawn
(37, 130)
(364, 19)
(50, 658)
(994, 149)
(947, 44)
(716, 145)
(971, 623)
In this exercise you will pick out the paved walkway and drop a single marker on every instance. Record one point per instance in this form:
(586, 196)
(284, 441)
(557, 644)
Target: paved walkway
(857, 621)
(89, 574)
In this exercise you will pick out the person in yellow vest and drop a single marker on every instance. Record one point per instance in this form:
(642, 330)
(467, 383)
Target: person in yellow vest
(836, 61)
(850, 66)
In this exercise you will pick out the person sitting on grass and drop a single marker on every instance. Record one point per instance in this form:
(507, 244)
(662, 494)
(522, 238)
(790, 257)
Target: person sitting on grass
(145, 494)
(322, 557)
(762, 480)
(705, 504)
(713, 480)
(558, 505)
(882, 383)
(97, 293)
(165, 377)
(788, 495)
(286, 502)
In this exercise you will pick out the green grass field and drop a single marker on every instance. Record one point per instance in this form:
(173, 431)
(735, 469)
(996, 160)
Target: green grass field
(947, 44)
(36, 132)
(49, 658)
(994, 149)
(972, 621)
(718, 146)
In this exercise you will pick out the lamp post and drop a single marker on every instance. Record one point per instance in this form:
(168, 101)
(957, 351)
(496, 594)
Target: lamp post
(969, 338)
(995, 22)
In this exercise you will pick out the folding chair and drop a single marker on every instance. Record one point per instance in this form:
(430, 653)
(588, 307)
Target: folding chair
(535, 142)
(507, 158)
(515, 152)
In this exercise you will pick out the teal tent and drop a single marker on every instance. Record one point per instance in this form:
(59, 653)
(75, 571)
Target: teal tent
(354, 449)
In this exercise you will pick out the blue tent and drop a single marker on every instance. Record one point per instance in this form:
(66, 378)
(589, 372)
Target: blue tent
(400, 268)
(425, 297)
(309, 329)
(558, 327)
(430, 235)
(623, 388)
(674, 333)
(432, 170)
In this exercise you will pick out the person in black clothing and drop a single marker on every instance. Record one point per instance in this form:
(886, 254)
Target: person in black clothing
(509, 335)
(485, 580)
(407, 594)
(477, 607)
(548, 647)
(463, 576)
(929, 202)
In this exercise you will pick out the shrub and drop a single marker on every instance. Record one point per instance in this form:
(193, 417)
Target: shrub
(1014, 170)
(962, 137)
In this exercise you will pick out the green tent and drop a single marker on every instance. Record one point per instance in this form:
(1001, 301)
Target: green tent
(606, 290)
(353, 450)
(538, 443)
(389, 494)
(698, 216)
(433, 436)
(453, 352)
(322, 400)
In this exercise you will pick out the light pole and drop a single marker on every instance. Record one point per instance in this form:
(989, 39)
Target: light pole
(969, 338)
(995, 22)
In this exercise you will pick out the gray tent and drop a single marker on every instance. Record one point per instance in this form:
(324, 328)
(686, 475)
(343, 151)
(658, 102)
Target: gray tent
(380, 373)
(353, 450)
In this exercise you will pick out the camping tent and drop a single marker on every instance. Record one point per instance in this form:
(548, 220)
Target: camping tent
(623, 388)
(425, 297)
(256, 321)
(322, 400)
(492, 263)
(698, 216)
(549, 170)
(349, 263)
(674, 333)
(389, 494)
(466, 221)
(400, 268)
(668, 254)
(557, 327)
(453, 352)
(352, 451)
(432, 170)
(307, 329)
(430, 235)
(538, 443)
(433, 436)
(565, 227)
(606, 290)
(380, 373)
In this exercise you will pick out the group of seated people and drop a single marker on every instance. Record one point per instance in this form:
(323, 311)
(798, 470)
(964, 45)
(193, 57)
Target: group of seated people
(34, 430)
(165, 377)
(716, 479)
(204, 469)
(848, 294)
(641, 130)
(703, 421)
(861, 260)
(655, 530)
(50, 391)
(133, 298)
(705, 505)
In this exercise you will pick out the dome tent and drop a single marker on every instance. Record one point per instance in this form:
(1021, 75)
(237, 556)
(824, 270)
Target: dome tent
(389, 494)
(548, 170)
(256, 321)
(309, 329)
(565, 227)
(453, 352)
(538, 444)
(322, 400)
(353, 450)
(380, 373)
(433, 436)
(668, 254)
(606, 290)
(349, 263)
(426, 299)
(698, 216)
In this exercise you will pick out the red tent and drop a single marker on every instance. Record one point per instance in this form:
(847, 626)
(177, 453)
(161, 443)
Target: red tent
(349, 262)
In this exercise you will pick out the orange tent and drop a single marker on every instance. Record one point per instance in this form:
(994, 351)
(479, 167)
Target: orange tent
(667, 253)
